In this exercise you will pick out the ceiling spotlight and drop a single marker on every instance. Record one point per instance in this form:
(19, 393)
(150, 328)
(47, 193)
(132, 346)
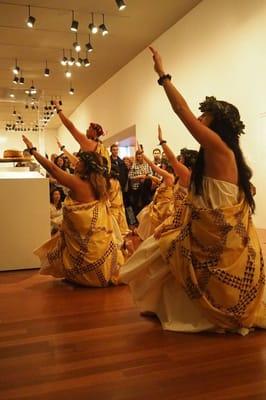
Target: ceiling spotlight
(71, 60)
(71, 90)
(78, 62)
(103, 29)
(76, 44)
(93, 28)
(21, 80)
(120, 4)
(86, 62)
(33, 90)
(31, 20)
(68, 73)
(88, 45)
(74, 24)
(16, 69)
(64, 59)
(46, 70)
(12, 95)
(15, 80)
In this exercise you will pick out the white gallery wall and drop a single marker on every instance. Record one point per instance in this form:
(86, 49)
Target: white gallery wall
(217, 49)
(44, 141)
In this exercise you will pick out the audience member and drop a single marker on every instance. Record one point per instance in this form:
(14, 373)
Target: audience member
(138, 173)
(56, 210)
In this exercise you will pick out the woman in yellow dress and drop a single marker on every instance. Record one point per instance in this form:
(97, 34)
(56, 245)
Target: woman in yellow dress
(116, 201)
(207, 273)
(162, 205)
(85, 250)
(182, 168)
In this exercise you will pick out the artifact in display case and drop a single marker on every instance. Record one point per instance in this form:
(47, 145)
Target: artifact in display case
(12, 155)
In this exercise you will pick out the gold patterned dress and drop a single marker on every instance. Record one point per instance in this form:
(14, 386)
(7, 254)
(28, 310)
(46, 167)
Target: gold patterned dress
(161, 207)
(102, 150)
(85, 251)
(117, 207)
(207, 272)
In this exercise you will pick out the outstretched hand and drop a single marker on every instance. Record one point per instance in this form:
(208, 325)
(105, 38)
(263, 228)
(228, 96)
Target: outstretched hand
(158, 64)
(58, 143)
(27, 142)
(138, 147)
(160, 135)
(56, 104)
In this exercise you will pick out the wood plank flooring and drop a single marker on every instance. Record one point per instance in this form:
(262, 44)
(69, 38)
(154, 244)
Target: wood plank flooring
(60, 341)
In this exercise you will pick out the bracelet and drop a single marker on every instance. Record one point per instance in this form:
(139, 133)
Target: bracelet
(62, 147)
(162, 142)
(32, 149)
(58, 110)
(163, 78)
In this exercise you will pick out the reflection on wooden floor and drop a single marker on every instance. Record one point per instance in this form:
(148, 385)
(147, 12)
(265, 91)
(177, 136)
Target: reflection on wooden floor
(60, 341)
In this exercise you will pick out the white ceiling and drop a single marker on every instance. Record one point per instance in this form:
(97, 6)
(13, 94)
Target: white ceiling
(131, 30)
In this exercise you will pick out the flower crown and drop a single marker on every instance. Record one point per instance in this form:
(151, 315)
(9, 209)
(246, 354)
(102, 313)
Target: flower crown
(99, 130)
(91, 163)
(223, 111)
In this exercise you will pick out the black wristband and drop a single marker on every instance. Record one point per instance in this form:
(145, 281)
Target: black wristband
(32, 149)
(162, 142)
(62, 147)
(58, 110)
(163, 78)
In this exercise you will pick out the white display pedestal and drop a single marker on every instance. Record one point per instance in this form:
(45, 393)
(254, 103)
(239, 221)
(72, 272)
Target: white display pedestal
(24, 218)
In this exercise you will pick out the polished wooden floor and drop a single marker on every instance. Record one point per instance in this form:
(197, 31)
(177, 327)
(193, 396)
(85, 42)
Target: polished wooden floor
(59, 341)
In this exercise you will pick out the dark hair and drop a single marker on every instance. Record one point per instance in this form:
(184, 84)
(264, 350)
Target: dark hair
(189, 156)
(113, 145)
(156, 149)
(64, 166)
(95, 172)
(168, 166)
(52, 197)
(228, 126)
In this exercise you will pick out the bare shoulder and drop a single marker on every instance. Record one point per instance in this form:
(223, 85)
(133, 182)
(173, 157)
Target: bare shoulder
(221, 166)
(88, 144)
(82, 191)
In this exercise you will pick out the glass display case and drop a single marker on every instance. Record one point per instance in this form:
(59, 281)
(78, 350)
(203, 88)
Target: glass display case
(24, 216)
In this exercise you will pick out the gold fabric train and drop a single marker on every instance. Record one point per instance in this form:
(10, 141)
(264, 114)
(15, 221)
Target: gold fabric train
(117, 207)
(85, 251)
(161, 207)
(216, 257)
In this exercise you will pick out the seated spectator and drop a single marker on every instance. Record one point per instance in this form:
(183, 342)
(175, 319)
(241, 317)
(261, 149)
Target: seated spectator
(56, 210)
(60, 162)
(28, 162)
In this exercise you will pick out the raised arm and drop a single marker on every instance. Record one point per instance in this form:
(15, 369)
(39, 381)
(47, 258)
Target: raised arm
(85, 143)
(73, 159)
(168, 178)
(61, 176)
(204, 135)
(180, 169)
